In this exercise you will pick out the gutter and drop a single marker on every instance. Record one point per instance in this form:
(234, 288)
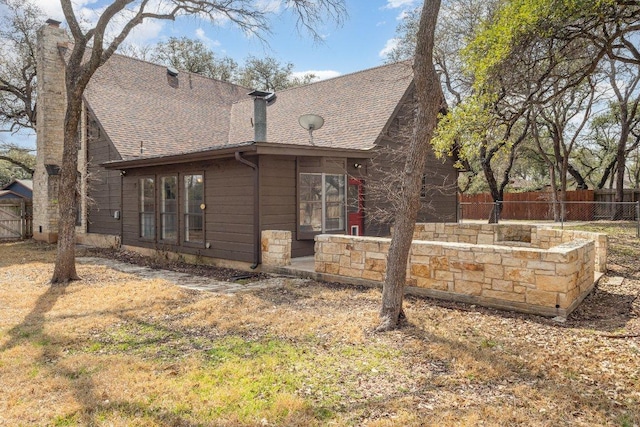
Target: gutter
(256, 208)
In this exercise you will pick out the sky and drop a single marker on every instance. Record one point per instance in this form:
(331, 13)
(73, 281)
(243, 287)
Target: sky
(359, 43)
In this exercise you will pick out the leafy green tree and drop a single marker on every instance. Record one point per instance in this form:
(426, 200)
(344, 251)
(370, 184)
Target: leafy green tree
(15, 163)
(269, 74)
(194, 56)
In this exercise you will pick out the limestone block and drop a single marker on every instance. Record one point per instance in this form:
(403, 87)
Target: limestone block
(349, 272)
(443, 275)
(375, 255)
(519, 275)
(555, 283)
(372, 275)
(567, 268)
(488, 258)
(440, 285)
(420, 270)
(494, 271)
(375, 264)
(505, 296)
(332, 268)
(439, 263)
(468, 288)
(546, 299)
(541, 265)
(504, 286)
(467, 266)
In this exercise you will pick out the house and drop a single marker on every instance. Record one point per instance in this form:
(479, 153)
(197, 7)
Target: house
(178, 162)
(17, 189)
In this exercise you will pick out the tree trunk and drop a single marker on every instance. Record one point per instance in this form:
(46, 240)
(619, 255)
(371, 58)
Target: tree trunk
(621, 157)
(65, 266)
(496, 194)
(430, 100)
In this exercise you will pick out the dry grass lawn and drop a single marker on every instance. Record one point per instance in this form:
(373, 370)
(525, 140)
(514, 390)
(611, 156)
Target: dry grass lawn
(116, 350)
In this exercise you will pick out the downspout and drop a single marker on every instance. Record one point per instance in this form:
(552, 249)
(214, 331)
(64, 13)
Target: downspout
(256, 208)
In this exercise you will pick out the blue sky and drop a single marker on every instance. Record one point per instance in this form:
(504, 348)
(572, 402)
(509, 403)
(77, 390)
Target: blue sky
(357, 44)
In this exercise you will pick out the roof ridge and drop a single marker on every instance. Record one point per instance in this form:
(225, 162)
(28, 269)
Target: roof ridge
(155, 64)
(353, 73)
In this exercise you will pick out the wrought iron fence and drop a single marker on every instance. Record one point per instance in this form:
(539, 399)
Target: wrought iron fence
(549, 211)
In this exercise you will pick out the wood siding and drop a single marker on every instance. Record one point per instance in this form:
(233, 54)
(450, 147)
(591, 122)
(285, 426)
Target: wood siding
(440, 202)
(278, 200)
(228, 215)
(103, 186)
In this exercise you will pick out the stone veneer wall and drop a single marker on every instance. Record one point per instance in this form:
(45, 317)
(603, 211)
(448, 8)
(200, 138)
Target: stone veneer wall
(547, 281)
(521, 235)
(276, 248)
(51, 108)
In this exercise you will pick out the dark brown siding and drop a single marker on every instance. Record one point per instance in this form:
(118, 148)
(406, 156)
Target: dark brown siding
(103, 185)
(228, 213)
(440, 201)
(278, 200)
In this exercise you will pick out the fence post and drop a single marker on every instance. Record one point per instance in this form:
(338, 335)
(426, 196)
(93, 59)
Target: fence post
(638, 218)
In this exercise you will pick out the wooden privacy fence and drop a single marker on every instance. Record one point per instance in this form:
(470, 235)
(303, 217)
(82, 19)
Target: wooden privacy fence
(580, 205)
(15, 219)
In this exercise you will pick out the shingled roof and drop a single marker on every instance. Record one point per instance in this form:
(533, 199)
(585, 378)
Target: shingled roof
(136, 103)
(355, 108)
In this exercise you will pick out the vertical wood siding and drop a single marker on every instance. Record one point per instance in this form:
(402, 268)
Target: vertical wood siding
(103, 186)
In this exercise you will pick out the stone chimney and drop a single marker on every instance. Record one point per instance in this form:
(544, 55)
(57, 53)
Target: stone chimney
(50, 112)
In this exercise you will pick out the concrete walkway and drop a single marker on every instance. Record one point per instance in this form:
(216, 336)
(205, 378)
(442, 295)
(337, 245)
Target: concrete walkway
(190, 281)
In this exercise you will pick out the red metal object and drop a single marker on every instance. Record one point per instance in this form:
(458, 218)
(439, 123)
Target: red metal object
(355, 203)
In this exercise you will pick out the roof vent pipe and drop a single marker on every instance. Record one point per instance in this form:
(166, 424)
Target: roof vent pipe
(260, 101)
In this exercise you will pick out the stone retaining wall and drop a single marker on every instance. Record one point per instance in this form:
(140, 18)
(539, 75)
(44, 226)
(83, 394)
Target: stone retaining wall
(550, 281)
(521, 235)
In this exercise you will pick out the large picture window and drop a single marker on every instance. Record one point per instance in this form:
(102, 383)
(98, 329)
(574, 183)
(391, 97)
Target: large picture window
(147, 208)
(322, 202)
(193, 205)
(169, 208)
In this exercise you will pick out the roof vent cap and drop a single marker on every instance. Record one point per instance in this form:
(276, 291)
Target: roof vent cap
(172, 72)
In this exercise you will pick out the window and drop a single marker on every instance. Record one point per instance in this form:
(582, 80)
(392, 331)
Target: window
(169, 208)
(193, 205)
(147, 208)
(322, 202)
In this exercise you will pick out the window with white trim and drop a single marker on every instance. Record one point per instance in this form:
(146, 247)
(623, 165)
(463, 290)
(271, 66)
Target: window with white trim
(169, 208)
(147, 208)
(193, 208)
(322, 202)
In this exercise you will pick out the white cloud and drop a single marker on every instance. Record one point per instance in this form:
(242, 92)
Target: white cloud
(51, 9)
(146, 32)
(395, 4)
(381, 23)
(200, 34)
(388, 47)
(320, 74)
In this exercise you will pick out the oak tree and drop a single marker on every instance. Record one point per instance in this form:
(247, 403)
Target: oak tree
(430, 100)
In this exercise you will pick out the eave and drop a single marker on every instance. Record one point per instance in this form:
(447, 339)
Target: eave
(251, 148)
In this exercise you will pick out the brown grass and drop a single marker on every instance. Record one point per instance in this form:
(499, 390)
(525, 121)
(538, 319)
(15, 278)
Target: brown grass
(117, 350)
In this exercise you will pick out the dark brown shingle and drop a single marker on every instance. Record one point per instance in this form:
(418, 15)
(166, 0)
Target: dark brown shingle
(136, 102)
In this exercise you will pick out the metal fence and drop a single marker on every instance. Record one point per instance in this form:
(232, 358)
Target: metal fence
(548, 211)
